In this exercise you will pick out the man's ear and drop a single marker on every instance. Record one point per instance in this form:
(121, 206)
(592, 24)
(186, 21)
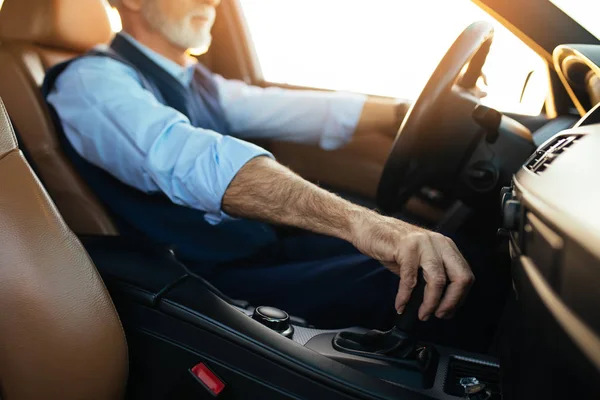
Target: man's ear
(132, 5)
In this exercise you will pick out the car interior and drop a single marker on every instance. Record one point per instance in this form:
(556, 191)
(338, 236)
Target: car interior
(89, 313)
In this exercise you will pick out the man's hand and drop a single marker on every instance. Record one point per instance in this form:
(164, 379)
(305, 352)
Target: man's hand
(403, 248)
(265, 190)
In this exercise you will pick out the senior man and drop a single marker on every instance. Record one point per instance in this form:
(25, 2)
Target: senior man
(161, 140)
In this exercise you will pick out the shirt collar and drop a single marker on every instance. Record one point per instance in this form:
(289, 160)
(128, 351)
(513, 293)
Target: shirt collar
(182, 74)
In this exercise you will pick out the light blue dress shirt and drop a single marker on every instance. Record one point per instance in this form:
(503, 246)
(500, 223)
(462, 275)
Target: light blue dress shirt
(117, 125)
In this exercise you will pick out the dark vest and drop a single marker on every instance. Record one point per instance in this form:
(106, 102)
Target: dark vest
(155, 216)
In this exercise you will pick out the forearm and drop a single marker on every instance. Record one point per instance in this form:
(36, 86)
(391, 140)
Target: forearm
(265, 190)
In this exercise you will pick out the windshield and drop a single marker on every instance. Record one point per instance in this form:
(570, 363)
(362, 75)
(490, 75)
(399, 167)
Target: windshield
(585, 12)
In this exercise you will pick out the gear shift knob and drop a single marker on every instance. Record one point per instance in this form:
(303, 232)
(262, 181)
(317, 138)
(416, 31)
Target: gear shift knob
(398, 344)
(407, 321)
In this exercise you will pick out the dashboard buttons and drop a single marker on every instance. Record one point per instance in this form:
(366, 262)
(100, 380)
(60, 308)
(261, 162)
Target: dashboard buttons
(511, 215)
(506, 193)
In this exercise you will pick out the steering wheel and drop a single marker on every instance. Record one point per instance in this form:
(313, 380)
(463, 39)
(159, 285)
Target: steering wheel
(438, 131)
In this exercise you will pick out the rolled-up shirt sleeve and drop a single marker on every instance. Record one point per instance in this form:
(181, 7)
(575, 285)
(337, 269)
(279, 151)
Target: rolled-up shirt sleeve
(117, 125)
(327, 119)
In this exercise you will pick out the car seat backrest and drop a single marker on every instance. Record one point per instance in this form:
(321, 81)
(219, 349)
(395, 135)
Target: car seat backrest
(34, 36)
(60, 336)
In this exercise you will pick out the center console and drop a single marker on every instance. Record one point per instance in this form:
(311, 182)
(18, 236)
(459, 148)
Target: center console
(175, 320)
(399, 357)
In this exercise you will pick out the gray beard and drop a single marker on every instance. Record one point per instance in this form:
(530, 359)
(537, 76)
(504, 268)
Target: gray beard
(181, 34)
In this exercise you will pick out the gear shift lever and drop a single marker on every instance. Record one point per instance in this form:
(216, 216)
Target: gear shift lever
(399, 343)
(407, 321)
(395, 355)
(402, 337)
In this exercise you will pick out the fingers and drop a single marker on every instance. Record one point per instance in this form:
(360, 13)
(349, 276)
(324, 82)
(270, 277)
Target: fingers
(447, 274)
(435, 278)
(408, 259)
(460, 276)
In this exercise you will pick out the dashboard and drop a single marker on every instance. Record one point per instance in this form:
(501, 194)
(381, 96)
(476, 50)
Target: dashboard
(551, 213)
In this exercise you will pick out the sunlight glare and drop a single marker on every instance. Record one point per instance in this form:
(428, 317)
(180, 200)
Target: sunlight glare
(383, 47)
(584, 11)
(115, 18)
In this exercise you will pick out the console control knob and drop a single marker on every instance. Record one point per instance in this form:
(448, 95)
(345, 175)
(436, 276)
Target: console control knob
(275, 319)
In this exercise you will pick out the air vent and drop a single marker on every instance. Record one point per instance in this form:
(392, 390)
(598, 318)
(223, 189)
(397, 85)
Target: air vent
(486, 373)
(543, 158)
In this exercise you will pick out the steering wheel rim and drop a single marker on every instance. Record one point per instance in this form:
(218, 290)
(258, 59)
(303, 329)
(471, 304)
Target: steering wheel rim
(403, 173)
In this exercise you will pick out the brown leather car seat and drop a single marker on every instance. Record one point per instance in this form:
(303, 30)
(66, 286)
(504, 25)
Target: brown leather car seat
(60, 336)
(34, 36)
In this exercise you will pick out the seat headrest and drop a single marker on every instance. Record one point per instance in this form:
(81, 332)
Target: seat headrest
(75, 25)
(8, 142)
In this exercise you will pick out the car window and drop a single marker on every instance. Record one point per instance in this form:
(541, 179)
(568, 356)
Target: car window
(584, 12)
(385, 47)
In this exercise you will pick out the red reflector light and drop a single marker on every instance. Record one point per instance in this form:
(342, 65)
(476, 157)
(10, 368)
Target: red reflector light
(211, 381)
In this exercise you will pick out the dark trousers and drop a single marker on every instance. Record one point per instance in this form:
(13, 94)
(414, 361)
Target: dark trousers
(330, 284)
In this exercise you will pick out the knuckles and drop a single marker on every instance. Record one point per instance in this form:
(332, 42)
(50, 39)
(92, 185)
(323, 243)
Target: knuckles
(466, 279)
(438, 280)
(409, 282)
